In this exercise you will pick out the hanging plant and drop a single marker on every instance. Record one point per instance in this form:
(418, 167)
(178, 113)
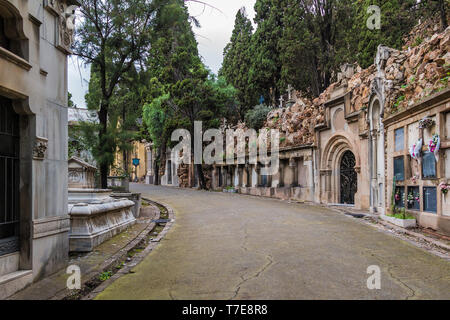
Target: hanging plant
(444, 187)
(415, 149)
(426, 123)
(434, 145)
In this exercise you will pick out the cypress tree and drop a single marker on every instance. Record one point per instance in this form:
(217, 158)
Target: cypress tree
(236, 62)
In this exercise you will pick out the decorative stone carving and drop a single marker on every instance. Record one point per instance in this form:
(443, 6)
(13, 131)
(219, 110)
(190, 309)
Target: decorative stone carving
(64, 10)
(81, 174)
(40, 148)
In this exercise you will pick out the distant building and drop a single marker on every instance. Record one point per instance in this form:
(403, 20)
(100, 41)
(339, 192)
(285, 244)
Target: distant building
(75, 115)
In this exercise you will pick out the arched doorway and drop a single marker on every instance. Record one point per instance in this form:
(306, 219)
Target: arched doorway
(348, 178)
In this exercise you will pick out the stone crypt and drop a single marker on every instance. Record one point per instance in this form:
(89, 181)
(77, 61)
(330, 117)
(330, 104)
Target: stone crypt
(35, 40)
(95, 216)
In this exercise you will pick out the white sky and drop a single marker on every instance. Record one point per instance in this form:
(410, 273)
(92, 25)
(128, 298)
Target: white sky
(212, 37)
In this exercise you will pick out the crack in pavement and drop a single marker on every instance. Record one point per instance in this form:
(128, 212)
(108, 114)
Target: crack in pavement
(256, 275)
(389, 266)
(259, 272)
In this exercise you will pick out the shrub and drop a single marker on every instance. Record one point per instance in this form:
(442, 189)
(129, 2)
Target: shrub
(257, 116)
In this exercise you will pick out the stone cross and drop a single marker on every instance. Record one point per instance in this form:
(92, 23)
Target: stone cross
(281, 101)
(289, 91)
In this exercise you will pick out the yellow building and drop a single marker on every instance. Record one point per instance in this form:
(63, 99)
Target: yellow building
(136, 173)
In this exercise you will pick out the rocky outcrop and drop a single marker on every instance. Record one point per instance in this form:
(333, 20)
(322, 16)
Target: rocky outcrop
(402, 78)
(183, 175)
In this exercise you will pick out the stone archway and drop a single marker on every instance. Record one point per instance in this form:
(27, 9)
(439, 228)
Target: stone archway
(337, 150)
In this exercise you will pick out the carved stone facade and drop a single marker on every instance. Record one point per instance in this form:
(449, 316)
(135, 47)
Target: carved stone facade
(64, 11)
(33, 82)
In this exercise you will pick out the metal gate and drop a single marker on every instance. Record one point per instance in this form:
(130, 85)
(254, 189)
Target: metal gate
(349, 178)
(9, 178)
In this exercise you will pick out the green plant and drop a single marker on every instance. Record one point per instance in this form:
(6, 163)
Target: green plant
(418, 41)
(394, 185)
(257, 116)
(401, 216)
(120, 266)
(275, 120)
(282, 139)
(105, 275)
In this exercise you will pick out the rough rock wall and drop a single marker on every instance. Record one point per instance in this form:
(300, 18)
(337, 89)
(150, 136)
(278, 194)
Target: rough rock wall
(408, 76)
(418, 72)
(183, 175)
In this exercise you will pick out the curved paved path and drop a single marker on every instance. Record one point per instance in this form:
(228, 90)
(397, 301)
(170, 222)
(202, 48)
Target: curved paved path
(227, 246)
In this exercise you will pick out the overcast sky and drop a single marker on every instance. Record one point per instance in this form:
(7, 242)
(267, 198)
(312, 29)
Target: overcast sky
(212, 37)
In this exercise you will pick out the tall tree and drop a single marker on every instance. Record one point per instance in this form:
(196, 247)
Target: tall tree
(236, 62)
(113, 36)
(398, 17)
(265, 69)
(181, 90)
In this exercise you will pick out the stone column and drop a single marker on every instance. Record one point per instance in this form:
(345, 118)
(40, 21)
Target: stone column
(373, 161)
(240, 175)
(281, 174)
(149, 175)
(236, 176)
(254, 176)
(245, 176)
(293, 168)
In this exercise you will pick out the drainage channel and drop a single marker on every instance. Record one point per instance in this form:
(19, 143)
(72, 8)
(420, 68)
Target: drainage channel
(126, 261)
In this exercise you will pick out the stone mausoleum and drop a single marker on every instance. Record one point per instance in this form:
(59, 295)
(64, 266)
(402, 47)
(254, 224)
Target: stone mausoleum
(35, 40)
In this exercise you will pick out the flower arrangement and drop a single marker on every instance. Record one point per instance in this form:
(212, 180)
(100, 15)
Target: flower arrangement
(434, 145)
(413, 197)
(415, 149)
(426, 123)
(444, 187)
(398, 196)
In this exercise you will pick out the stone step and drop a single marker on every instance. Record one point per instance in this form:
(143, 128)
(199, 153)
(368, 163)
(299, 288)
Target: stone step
(13, 282)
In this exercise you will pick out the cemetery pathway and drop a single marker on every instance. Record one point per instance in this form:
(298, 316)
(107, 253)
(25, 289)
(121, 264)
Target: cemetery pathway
(228, 246)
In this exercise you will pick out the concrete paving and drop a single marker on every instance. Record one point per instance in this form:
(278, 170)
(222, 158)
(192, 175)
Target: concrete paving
(228, 246)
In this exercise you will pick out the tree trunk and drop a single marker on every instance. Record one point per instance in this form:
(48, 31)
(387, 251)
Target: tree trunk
(201, 176)
(156, 178)
(103, 119)
(125, 161)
